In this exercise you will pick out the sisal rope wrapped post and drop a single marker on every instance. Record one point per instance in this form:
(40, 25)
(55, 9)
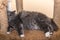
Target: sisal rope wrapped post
(3, 16)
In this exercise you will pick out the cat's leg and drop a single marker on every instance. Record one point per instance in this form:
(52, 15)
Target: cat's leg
(20, 30)
(49, 31)
(9, 29)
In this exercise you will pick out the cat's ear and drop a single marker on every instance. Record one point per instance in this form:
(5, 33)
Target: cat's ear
(14, 11)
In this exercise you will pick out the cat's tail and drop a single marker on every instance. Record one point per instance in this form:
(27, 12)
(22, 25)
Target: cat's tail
(55, 27)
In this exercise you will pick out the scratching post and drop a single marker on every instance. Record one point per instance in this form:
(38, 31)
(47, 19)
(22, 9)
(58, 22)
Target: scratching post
(19, 5)
(3, 16)
(57, 12)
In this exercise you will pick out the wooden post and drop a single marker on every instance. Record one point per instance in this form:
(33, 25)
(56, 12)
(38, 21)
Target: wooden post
(0, 25)
(3, 16)
(19, 5)
(57, 12)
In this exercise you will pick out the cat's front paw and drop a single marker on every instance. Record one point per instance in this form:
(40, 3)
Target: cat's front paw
(22, 35)
(8, 32)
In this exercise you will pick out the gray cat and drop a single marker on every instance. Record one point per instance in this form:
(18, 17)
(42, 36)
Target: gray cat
(32, 21)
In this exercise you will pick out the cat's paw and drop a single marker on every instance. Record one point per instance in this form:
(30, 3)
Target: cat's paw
(22, 35)
(48, 34)
(8, 32)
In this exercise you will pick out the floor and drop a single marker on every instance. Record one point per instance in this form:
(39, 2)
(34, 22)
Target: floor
(30, 35)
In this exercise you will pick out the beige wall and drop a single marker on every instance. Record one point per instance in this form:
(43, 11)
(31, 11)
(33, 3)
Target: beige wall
(44, 6)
